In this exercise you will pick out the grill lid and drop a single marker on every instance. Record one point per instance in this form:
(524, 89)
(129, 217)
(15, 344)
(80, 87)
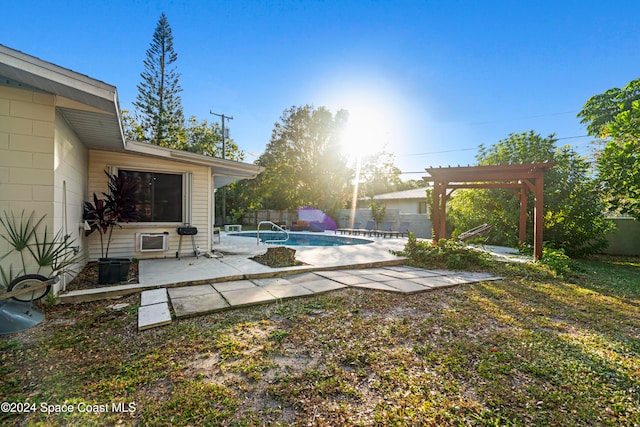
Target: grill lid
(187, 231)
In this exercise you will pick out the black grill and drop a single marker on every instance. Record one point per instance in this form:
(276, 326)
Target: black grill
(187, 231)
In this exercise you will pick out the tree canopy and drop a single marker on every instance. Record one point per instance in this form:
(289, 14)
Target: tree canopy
(574, 210)
(303, 163)
(615, 114)
(158, 104)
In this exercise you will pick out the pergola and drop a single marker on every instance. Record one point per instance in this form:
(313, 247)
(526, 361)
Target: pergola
(521, 178)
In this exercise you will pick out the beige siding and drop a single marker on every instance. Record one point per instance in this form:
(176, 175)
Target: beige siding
(69, 163)
(26, 160)
(124, 241)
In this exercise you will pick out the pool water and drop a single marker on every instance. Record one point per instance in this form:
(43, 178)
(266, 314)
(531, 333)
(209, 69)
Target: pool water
(303, 239)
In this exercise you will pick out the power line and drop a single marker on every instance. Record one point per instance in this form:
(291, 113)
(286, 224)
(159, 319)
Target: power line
(475, 148)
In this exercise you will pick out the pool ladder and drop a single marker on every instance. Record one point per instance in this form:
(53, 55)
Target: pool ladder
(273, 226)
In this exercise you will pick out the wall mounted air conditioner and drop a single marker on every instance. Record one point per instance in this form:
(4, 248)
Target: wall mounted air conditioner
(153, 242)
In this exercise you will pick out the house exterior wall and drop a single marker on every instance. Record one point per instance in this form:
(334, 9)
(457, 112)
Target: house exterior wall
(124, 243)
(27, 122)
(408, 206)
(69, 162)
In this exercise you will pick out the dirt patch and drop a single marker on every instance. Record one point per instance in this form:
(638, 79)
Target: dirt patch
(87, 278)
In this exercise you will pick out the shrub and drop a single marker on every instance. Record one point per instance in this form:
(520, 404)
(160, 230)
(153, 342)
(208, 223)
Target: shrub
(444, 253)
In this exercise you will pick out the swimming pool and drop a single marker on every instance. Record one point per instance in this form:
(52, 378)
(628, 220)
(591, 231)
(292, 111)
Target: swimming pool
(303, 239)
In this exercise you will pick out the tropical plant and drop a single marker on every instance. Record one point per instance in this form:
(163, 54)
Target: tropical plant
(55, 252)
(19, 234)
(615, 114)
(118, 206)
(378, 210)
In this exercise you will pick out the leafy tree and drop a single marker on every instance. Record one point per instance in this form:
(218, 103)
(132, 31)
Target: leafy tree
(619, 170)
(616, 114)
(304, 166)
(158, 104)
(574, 211)
(132, 129)
(206, 138)
(379, 175)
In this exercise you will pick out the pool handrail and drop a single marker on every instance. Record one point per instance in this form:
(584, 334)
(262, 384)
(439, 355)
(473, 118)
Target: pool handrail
(273, 225)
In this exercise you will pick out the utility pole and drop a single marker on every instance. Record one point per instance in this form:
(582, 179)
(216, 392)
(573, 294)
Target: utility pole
(224, 148)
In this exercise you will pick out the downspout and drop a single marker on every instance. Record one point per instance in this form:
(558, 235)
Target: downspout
(212, 213)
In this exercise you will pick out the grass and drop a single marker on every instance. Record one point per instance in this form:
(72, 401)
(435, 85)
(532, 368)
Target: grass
(534, 349)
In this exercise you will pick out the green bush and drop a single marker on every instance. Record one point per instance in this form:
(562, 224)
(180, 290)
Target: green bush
(556, 259)
(443, 254)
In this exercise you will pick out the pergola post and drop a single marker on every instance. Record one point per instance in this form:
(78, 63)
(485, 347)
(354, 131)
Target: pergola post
(440, 210)
(523, 214)
(538, 219)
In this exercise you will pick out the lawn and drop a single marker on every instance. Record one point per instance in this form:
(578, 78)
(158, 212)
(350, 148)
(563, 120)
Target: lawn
(533, 349)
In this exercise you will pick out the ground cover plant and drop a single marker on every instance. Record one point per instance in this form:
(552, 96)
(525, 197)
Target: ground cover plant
(533, 349)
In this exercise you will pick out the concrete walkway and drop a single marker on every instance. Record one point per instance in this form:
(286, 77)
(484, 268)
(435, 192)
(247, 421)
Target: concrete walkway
(208, 298)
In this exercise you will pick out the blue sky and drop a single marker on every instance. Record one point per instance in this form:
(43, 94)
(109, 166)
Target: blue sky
(434, 78)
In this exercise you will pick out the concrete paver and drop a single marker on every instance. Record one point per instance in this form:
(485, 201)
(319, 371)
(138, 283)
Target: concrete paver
(234, 285)
(406, 286)
(247, 296)
(153, 296)
(276, 281)
(323, 285)
(376, 277)
(303, 277)
(377, 286)
(288, 291)
(189, 291)
(198, 304)
(400, 274)
(150, 316)
(351, 280)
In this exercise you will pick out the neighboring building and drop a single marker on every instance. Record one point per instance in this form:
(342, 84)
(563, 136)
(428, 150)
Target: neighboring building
(408, 206)
(59, 132)
(412, 201)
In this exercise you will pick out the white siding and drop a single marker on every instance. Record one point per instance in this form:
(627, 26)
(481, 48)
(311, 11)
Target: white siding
(123, 243)
(70, 187)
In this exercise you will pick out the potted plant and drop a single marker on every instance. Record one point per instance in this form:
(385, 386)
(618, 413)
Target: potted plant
(103, 215)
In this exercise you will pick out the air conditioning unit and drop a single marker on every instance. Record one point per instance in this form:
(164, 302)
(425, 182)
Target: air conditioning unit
(152, 242)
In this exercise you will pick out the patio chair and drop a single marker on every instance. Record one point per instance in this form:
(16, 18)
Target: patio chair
(356, 226)
(403, 230)
(385, 230)
(368, 229)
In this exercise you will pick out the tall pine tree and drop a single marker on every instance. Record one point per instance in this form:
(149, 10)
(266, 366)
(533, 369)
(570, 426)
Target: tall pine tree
(158, 104)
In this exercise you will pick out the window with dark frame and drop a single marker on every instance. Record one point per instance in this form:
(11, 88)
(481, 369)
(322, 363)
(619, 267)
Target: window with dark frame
(422, 207)
(158, 196)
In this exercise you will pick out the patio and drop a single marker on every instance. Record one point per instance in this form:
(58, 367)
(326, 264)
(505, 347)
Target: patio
(230, 261)
(228, 278)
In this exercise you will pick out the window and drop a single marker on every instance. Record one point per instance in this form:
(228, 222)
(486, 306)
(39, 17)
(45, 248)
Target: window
(159, 196)
(422, 207)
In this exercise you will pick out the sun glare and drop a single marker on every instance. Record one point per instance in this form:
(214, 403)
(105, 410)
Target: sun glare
(366, 132)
